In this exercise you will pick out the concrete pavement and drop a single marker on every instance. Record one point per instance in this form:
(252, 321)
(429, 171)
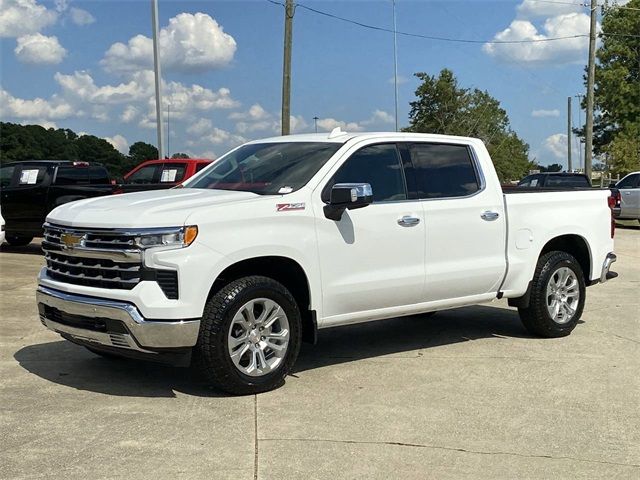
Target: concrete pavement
(463, 394)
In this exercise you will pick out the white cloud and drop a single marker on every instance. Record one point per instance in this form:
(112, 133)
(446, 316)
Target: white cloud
(556, 146)
(543, 51)
(80, 85)
(34, 109)
(545, 113)
(200, 127)
(43, 123)
(39, 49)
(378, 117)
(190, 43)
(184, 98)
(22, 17)
(529, 9)
(119, 142)
(129, 114)
(81, 17)
(255, 113)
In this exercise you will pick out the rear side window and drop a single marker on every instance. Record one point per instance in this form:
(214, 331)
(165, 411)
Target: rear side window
(629, 182)
(31, 175)
(144, 175)
(81, 175)
(172, 172)
(567, 181)
(378, 165)
(200, 166)
(443, 171)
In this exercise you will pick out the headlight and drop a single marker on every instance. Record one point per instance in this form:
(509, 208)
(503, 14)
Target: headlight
(171, 237)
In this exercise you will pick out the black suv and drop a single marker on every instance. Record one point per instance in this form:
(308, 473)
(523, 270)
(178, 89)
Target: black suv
(31, 189)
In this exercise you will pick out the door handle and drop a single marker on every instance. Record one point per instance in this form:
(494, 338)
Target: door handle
(489, 216)
(408, 221)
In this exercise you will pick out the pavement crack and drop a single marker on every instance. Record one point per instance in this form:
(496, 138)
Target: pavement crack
(621, 337)
(453, 449)
(255, 436)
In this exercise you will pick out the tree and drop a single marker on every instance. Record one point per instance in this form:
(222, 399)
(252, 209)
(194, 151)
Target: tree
(617, 89)
(554, 167)
(442, 106)
(180, 155)
(93, 149)
(141, 151)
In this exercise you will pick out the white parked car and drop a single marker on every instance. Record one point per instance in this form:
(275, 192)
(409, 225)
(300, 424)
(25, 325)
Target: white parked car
(629, 188)
(285, 236)
(1, 229)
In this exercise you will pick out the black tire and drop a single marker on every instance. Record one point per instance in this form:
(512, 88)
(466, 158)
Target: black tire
(18, 240)
(211, 355)
(536, 317)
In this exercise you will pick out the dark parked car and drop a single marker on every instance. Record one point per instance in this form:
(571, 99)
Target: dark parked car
(555, 180)
(31, 189)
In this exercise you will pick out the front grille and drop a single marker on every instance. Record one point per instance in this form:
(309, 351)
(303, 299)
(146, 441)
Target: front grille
(101, 259)
(92, 272)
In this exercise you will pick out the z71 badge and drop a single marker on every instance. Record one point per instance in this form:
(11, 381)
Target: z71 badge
(286, 207)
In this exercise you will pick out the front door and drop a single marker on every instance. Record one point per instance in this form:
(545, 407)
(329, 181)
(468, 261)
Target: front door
(373, 258)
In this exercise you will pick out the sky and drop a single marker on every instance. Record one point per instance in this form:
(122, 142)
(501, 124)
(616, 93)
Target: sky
(87, 66)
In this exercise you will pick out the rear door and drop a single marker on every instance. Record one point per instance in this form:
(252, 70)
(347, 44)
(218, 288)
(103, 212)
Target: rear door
(630, 196)
(465, 223)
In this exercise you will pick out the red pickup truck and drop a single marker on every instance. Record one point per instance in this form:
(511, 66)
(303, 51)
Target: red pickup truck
(159, 174)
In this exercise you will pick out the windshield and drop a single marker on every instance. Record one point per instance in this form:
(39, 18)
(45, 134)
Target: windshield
(267, 168)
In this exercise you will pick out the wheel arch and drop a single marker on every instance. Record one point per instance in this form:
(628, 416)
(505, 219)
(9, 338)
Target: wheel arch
(573, 244)
(284, 270)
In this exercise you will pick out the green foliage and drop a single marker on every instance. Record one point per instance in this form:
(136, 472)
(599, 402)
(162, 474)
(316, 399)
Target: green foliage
(442, 106)
(617, 89)
(180, 155)
(33, 142)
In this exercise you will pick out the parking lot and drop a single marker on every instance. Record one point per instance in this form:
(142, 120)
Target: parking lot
(463, 394)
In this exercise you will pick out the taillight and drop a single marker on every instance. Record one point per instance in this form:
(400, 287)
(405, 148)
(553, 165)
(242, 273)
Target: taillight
(611, 202)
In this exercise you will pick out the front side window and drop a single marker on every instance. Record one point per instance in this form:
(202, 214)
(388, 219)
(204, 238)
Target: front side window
(630, 181)
(377, 165)
(143, 175)
(267, 168)
(6, 175)
(443, 171)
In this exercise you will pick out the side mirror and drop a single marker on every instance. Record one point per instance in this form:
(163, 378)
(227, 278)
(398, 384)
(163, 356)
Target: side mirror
(345, 196)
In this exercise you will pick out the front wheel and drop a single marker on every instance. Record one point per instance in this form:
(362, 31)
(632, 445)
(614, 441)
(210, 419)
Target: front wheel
(557, 298)
(249, 337)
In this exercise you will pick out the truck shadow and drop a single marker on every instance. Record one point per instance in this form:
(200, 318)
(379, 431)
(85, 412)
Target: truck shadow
(73, 366)
(33, 248)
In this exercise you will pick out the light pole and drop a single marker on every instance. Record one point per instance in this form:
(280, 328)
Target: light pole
(580, 142)
(395, 62)
(315, 123)
(158, 76)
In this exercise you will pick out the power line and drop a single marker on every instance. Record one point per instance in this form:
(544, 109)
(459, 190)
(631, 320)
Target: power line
(444, 39)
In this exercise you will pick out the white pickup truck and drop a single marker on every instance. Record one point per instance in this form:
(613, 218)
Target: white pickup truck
(284, 236)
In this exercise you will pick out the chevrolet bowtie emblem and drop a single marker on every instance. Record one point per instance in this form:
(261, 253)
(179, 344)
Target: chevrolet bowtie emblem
(69, 240)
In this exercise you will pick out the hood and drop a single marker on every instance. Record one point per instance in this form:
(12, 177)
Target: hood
(155, 208)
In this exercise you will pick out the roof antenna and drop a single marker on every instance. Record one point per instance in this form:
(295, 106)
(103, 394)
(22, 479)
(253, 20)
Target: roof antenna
(336, 132)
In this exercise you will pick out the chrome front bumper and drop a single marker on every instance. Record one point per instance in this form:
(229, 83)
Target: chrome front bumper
(606, 274)
(138, 334)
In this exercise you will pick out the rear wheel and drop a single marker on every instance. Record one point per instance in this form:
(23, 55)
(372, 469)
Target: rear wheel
(18, 240)
(249, 337)
(557, 296)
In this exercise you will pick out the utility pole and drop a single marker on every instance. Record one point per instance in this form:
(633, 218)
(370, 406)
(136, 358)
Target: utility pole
(569, 166)
(579, 140)
(156, 64)
(591, 73)
(395, 62)
(315, 123)
(289, 10)
(168, 129)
